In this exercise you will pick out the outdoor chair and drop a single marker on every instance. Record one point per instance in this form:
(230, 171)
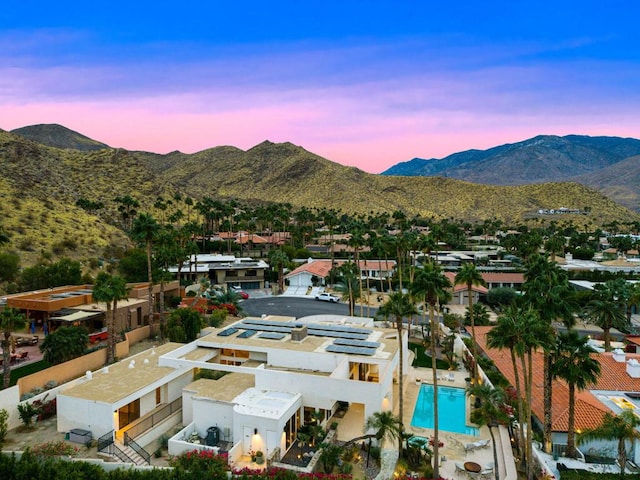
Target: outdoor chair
(22, 356)
(469, 447)
(460, 468)
(451, 377)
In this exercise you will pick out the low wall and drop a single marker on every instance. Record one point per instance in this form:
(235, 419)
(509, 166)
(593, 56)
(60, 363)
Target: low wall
(77, 367)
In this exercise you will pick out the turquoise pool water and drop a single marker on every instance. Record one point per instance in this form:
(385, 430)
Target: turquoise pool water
(452, 413)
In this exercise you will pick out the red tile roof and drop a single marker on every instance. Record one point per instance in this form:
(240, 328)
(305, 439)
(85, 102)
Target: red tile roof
(589, 410)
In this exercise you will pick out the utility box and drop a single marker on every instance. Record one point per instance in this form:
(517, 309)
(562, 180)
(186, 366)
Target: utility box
(213, 436)
(77, 435)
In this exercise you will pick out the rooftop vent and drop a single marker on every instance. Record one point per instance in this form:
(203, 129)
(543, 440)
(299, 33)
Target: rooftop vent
(633, 368)
(298, 334)
(619, 355)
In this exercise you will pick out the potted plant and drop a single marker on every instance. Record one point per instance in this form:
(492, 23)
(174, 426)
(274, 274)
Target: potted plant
(259, 457)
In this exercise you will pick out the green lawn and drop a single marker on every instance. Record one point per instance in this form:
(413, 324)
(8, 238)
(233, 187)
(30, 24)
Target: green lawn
(423, 360)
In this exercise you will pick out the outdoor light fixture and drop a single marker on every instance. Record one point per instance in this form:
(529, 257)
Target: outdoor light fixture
(255, 431)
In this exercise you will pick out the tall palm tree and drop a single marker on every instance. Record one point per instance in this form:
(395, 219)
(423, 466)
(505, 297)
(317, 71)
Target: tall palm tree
(574, 364)
(385, 424)
(399, 306)
(469, 275)
(349, 285)
(509, 334)
(144, 230)
(489, 412)
(622, 427)
(109, 289)
(279, 258)
(10, 320)
(547, 291)
(431, 281)
(607, 309)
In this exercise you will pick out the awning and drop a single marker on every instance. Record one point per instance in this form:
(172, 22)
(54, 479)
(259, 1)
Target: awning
(76, 316)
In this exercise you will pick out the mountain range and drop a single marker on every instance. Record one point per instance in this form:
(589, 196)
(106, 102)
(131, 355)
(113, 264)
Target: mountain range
(48, 168)
(610, 165)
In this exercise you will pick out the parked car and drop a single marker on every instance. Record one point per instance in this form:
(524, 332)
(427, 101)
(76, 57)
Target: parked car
(235, 288)
(327, 297)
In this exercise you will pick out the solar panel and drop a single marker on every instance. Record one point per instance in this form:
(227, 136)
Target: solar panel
(355, 343)
(339, 328)
(350, 350)
(247, 334)
(227, 332)
(265, 328)
(329, 333)
(272, 336)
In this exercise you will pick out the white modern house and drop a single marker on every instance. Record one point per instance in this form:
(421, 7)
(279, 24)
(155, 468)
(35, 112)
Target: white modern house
(279, 372)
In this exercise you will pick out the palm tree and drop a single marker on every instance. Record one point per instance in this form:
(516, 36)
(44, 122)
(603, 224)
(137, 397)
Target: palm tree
(385, 424)
(109, 289)
(433, 284)
(349, 284)
(621, 427)
(572, 361)
(279, 258)
(399, 306)
(470, 276)
(10, 320)
(607, 309)
(548, 292)
(144, 230)
(489, 412)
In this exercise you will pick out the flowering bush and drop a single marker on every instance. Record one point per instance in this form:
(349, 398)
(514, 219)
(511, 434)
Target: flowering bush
(432, 443)
(54, 449)
(201, 462)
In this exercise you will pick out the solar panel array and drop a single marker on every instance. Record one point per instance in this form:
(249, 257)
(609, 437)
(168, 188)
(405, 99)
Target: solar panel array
(356, 343)
(333, 348)
(247, 334)
(227, 332)
(272, 335)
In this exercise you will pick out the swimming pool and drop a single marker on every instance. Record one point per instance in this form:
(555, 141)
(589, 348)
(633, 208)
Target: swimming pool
(452, 410)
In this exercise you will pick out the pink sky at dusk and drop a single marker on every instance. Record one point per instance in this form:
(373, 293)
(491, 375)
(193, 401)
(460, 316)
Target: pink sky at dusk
(363, 88)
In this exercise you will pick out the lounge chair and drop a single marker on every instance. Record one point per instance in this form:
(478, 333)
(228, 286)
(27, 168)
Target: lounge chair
(451, 377)
(460, 468)
(469, 447)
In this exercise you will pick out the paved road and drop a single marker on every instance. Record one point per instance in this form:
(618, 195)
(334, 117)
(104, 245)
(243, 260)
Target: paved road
(296, 307)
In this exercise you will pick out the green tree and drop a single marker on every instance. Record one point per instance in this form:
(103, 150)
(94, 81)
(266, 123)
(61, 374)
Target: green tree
(144, 230)
(348, 284)
(573, 362)
(547, 290)
(133, 265)
(400, 306)
(469, 276)
(621, 428)
(607, 309)
(9, 266)
(184, 325)
(65, 344)
(277, 258)
(109, 289)
(433, 285)
(489, 412)
(10, 320)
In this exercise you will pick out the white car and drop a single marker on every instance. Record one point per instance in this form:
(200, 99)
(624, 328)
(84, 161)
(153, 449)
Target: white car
(327, 297)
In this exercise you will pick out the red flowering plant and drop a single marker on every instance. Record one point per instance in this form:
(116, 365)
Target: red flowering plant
(200, 463)
(432, 442)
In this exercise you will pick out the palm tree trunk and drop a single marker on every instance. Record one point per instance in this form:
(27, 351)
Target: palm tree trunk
(547, 442)
(434, 370)
(571, 429)
(495, 453)
(521, 413)
(6, 360)
(529, 445)
(400, 385)
(150, 278)
(111, 327)
(474, 374)
(162, 320)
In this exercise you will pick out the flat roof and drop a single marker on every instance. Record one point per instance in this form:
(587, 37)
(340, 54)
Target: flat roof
(224, 389)
(116, 382)
(265, 403)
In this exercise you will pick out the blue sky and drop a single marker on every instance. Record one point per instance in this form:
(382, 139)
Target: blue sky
(367, 84)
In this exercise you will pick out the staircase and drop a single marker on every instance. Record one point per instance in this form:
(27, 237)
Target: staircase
(129, 452)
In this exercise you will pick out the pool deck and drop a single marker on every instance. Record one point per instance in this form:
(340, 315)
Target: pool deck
(454, 443)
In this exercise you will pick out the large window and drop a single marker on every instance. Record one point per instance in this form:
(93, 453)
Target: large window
(128, 413)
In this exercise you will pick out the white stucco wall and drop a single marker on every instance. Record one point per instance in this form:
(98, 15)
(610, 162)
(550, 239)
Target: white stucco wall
(209, 413)
(97, 417)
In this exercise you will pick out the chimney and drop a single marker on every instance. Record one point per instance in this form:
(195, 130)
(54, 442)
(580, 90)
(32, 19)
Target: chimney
(298, 334)
(619, 355)
(633, 368)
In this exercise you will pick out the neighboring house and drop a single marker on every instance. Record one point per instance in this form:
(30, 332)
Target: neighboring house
(610, 254)
(503, 279)
(224, 270)
(304, 275)
(617, 387)
(74, 305)
(459, 291)
(279, 371)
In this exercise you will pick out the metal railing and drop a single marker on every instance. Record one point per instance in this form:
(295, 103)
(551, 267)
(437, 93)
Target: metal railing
(152, 420)
(105, 441)
(130, 442)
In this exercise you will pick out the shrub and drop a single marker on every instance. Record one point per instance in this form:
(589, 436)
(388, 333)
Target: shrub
(54, 449)
(27, 411)
(4, 425)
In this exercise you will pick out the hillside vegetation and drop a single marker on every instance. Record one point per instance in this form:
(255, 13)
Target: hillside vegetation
(42, 184)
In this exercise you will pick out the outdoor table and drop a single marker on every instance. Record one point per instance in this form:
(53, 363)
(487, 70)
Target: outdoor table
(472, 467)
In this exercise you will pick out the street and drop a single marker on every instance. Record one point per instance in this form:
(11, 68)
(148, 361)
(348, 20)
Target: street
(297, 307)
